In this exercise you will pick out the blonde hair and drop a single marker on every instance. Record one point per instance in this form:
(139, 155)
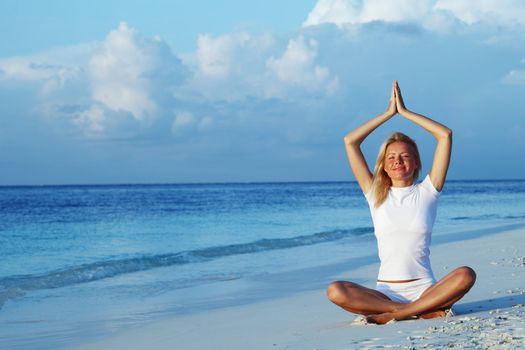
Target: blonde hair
(381, 182)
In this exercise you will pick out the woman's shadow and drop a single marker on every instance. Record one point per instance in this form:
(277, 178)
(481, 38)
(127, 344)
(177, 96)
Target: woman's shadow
(489, 304)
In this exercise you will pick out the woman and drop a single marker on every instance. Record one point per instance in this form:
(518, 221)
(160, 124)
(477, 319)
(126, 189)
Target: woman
(403, 213)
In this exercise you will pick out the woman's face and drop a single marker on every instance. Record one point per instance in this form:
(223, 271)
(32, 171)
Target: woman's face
(400, 162)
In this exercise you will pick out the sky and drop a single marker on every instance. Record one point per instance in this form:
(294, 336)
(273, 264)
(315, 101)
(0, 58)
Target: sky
(106, 92)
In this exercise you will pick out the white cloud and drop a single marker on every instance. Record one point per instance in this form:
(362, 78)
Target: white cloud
(341, 12)
(394, 11)
(49, 76)
(134, 76)
(441, 21)
(222, 56)
(501, 12)
(23, 69)
(51, 69)
(273, 92)
(229, 67)
(127, 85)
(91, 121)
(118, 73)
(338, 12)
(98, 86)
(432, 14)
(297, 68)
(240, 65)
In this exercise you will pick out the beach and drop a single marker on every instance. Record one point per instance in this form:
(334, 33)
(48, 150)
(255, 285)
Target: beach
(490, 316)
(191, 266)
(195, 175)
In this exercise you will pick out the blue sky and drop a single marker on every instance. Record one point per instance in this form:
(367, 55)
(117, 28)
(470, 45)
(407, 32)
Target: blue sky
(207, 91)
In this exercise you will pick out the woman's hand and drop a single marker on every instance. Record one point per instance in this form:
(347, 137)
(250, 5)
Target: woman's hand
(355, 137)
(392, 106)
(400, 105)
(442, 134)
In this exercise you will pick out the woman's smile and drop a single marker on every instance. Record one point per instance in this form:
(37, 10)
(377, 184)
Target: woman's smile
(400, 162)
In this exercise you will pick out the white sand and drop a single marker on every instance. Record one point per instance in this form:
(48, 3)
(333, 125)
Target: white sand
(490, 316)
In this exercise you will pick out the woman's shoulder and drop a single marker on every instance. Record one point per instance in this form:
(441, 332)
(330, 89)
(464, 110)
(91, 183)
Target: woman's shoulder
(427, 185)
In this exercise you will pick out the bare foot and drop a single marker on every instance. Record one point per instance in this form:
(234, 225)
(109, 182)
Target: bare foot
(433, 314)
(380, 318)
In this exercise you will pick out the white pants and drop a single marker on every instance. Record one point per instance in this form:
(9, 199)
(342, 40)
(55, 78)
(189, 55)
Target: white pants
(405, 292)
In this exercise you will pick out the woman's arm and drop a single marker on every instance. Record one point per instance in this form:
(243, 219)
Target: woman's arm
(354, 139)
(442, 134)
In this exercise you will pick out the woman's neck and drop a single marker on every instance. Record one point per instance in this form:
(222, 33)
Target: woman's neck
(402, 182)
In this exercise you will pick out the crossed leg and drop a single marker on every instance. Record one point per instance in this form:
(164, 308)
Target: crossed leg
(359, 299)
(380, 309)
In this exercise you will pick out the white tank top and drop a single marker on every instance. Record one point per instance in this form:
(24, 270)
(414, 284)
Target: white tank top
(403, 228)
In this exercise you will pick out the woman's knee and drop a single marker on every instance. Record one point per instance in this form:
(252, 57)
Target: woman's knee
(466, 275)
(338, 292)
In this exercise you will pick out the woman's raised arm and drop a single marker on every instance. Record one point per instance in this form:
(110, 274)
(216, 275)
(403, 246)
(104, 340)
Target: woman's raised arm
(354, 139)
(442, 134)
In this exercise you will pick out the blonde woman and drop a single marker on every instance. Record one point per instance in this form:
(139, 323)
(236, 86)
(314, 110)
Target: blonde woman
(403, 213)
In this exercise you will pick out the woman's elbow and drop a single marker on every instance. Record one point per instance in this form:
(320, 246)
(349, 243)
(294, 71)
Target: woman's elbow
(350, 139)
(446, 134)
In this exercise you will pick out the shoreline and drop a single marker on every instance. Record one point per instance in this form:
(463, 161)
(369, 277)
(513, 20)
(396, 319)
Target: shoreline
(491, 313)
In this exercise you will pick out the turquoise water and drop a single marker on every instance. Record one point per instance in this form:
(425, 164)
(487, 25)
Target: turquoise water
(84, 261)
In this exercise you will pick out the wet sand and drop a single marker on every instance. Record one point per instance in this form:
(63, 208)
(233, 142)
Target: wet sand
(490, 316)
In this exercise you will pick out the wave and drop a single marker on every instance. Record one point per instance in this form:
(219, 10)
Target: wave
(15, 286)
(487, 216)
(477, 217)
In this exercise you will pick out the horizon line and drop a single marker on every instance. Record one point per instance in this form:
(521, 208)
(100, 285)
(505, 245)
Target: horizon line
(222, 183)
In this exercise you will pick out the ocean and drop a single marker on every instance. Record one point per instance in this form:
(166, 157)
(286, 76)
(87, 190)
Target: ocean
(81, 262)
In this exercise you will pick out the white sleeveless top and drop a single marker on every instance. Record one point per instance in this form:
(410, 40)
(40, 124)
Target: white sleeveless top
(403, 228)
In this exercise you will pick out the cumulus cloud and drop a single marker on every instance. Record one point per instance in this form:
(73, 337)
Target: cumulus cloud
(435, 15)
(338, 12)
(342, 12)
(297, 67)
(240, 65)
(287, 98)
(230, 66)
(102, 89)
(50, 70)
(118, 73)
(502, 12)
(129, 85)
(49, 76)
(222, 56)
(22, 69)
(91, 120)
(125, 71)
(394, 11)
